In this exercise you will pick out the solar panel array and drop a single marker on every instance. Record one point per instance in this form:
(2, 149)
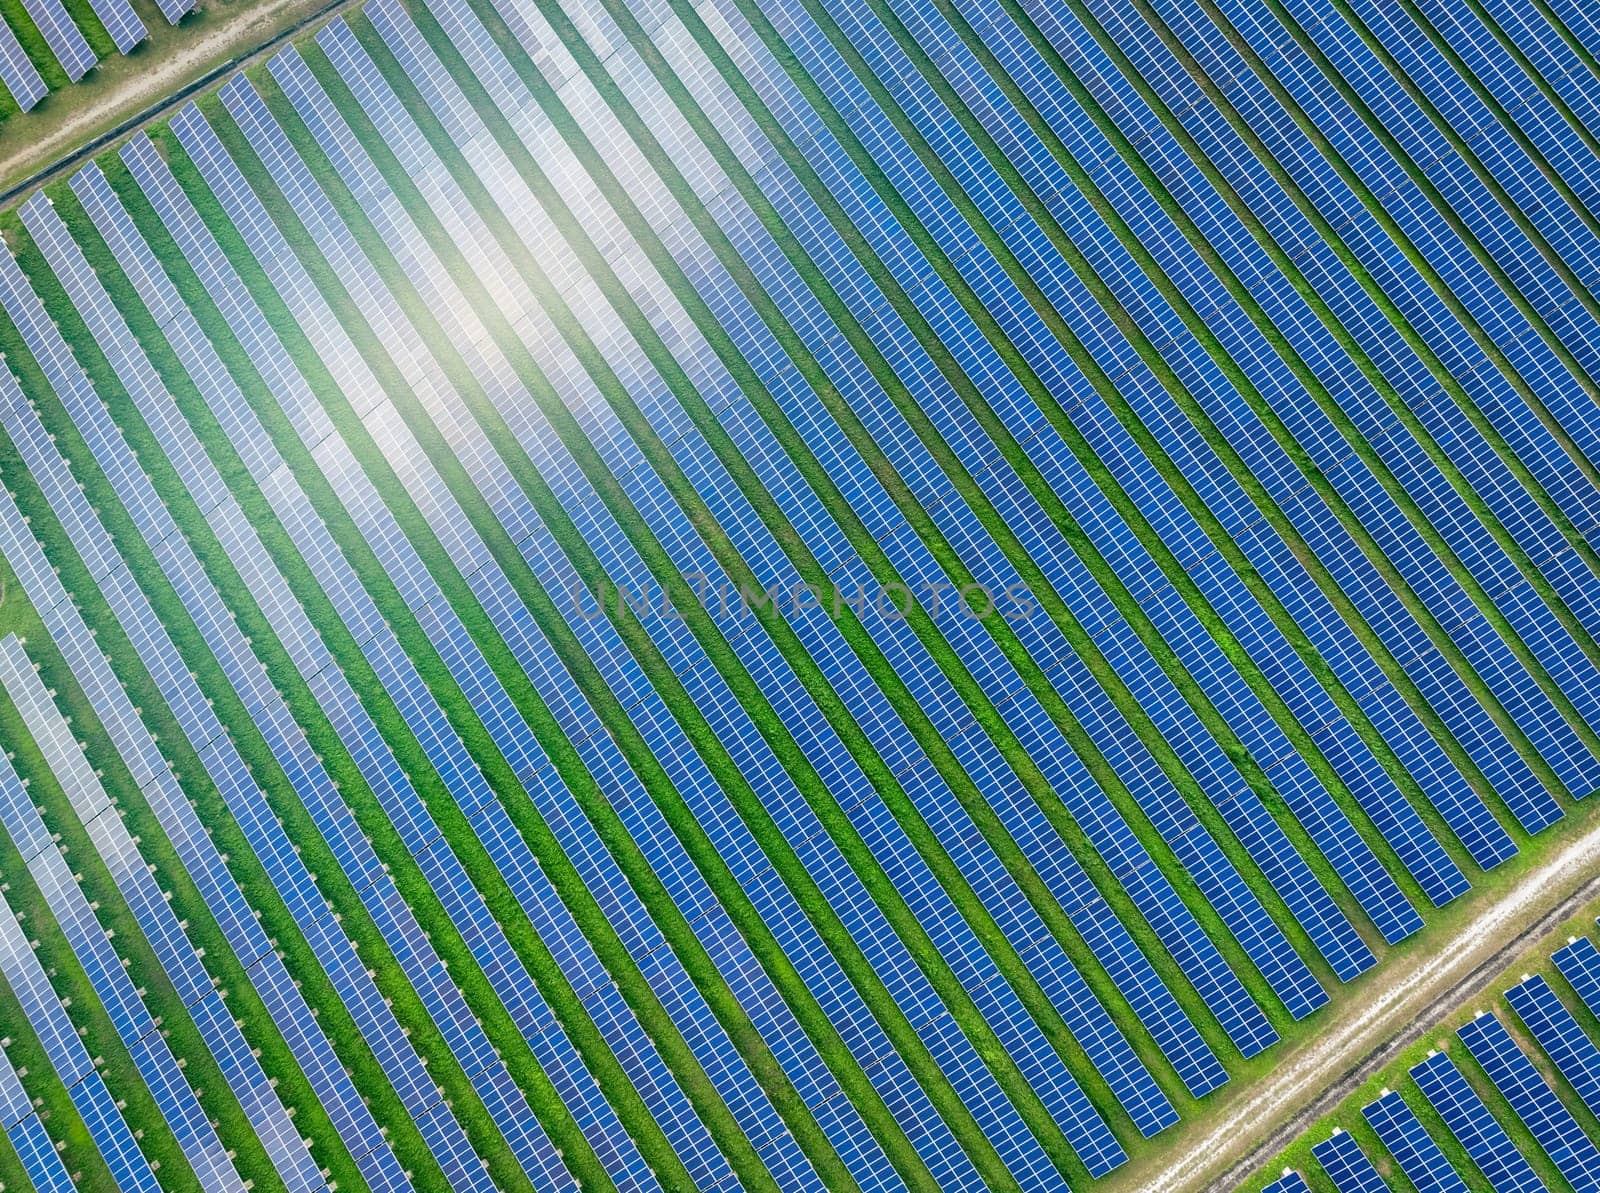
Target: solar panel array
(777, 594)
(1494, 1087)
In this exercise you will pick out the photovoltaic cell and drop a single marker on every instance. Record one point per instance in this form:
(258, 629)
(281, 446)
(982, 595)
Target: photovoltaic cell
(1471, 1122)
(1413, 1149)
(1347, 1165)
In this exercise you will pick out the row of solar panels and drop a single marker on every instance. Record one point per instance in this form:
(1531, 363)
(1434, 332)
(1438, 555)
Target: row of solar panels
(1522, 1096)
(66, 43)
(1545, 688)
(855, 103)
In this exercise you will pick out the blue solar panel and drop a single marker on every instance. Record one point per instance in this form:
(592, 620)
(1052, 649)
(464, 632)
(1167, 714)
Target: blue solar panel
(18, 72)
(1289, 1182)
(115, 990)
(1347, 1165)
(942, 1031)
(124, 25)
(1359, 871)
(62, 36)
(1413, 1149)
(423, 714)
(194, 712)
(1535, 1103)
(199, 855)
(1560, 1035)
(911, 558)
(1104, 1148)
(110, 1133)
(1023, 1040)
(1471, 1122)
(1579, 962)
(23, 1127)
(1299, 459)
(1462, 808)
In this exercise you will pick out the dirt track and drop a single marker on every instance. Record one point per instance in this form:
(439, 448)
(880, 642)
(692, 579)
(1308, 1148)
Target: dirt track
(1239, 1136)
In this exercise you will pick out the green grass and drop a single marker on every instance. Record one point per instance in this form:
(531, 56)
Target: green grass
(969, 490)
(185, 902)
(751, 386)
(582, 785)
(1434, 540)
(728, 776)
(1153, 182)
(72, 985)
(1240, 471)
(432, 669)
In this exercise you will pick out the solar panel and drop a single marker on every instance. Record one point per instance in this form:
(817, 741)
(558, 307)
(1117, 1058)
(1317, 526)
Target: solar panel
(911, 561)
(62, 36)
(195, 715)
(1535, 1103)
(423, 715)
(1347, 1165)
(798, 296)
(1579, 962)
(17, 71)
(124, 25)
(337, 45)
(1470, 1121)
(110, 1133)
(1413, 1149)
(1289, 1182)
(1560, 1035)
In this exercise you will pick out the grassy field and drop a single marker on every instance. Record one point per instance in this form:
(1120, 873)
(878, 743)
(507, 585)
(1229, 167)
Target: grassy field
(93, 108)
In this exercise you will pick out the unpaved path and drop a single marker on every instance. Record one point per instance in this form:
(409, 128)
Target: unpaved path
(1238, 1136)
